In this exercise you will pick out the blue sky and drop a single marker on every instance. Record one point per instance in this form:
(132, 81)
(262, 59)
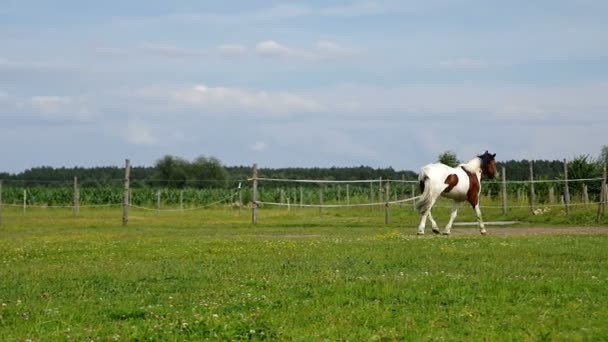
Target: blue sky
(292, 83)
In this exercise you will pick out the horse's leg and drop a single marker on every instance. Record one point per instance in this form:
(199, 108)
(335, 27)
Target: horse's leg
(423, 222)
(425, 215)
(453, 214)
(482, 228)
(433, 223)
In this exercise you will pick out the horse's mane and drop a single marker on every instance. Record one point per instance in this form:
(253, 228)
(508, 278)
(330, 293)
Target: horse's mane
(473, 165)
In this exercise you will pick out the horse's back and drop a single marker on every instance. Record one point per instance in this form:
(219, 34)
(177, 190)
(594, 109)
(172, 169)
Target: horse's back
(435, 170)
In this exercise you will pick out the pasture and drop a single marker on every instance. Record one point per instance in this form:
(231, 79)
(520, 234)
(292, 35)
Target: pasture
(298, 275)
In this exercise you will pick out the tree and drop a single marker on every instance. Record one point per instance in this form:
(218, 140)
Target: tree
(603, 158)
(581, 167)
(208, 172)
(170, 171)
(449, 158)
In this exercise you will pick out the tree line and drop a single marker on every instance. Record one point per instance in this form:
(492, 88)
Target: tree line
(209, 172)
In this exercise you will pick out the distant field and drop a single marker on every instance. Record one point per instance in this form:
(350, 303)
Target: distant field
(298, 275)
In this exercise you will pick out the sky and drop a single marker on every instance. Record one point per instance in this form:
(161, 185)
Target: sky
(381, 83)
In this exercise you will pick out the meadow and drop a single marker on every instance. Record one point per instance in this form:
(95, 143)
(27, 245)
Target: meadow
(298, 275)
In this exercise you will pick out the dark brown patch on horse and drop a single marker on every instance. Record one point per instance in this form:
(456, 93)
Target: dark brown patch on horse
(451, 181)
(421, 184)
(474, 187)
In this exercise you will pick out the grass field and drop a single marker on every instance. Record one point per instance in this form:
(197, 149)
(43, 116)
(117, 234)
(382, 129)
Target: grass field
(298, 275)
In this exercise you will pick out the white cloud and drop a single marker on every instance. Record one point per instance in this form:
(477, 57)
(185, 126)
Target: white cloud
(281, 11)
(169, 50)
(468, 64)
(137, 132)
(476, 102)
(270, 48)
(331, 49)
(59, 108)
(258, 146)
(360, 8)
(209, 100)
(232, 50)
(323, 50)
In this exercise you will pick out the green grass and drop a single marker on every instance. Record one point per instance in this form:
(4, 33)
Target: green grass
(296, 276)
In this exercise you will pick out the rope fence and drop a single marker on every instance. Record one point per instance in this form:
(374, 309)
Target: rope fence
(379, 193)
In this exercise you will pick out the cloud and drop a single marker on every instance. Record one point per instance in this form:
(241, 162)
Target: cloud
(137, 132)
(258, 146)
(152, 49)
(323, 50)
(278, 12)
(468, 64)
(360, 8)
(213, 100)
(169, 50)
(48, 108)
(232, 50)
(331, 49)
(270, 48)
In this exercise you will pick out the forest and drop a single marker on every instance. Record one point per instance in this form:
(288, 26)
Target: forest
(209, 172)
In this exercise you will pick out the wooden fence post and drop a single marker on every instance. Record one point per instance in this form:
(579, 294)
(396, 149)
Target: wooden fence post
(387, 205)
(348, 195)
(413, 195)
(551, 195)
(504, 191)
(402, 187)
(585, 194)
(76, 209)
(254, 201)
(181, 200)
(371, 195)
(532, 194)
(520, 198)
(24, 201)
(601, 208)
(380, 189)
(301, 196)
(566, 190)
(158, 203)
(320, 199)
(125, 203)
(240, 199)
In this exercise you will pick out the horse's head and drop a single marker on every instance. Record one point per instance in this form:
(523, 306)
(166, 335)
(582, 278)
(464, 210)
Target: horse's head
(488, 164)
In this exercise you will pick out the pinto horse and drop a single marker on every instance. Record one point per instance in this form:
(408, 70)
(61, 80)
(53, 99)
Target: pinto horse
(460, 183)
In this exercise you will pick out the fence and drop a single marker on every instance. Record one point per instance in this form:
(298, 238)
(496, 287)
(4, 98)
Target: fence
(527, 193)
(297, 193)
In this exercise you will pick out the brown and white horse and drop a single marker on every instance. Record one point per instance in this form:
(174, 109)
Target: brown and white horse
(462, 183)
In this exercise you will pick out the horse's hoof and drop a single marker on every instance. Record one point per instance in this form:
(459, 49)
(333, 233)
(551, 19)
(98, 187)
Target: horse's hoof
(420, 233)
(436, 231)
(483, 232)
(446, 233)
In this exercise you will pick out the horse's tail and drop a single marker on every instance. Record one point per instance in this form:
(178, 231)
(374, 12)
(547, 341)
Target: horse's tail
(424, 202)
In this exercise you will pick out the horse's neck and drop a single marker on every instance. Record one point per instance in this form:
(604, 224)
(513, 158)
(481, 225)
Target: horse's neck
(474, 165)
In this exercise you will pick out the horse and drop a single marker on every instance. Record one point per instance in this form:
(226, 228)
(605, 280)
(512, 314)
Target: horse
(461, 183)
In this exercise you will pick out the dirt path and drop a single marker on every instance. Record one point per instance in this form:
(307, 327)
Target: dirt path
(532, 231)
